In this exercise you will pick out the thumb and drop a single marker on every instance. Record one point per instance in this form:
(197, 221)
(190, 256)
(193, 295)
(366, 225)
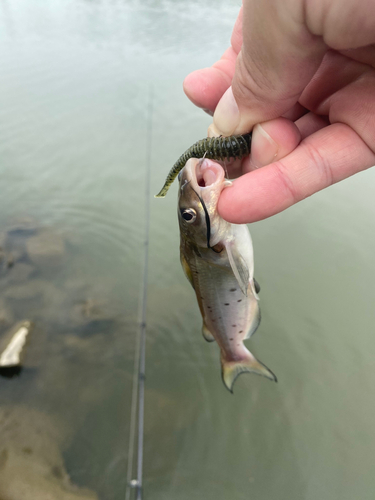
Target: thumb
(278, 58)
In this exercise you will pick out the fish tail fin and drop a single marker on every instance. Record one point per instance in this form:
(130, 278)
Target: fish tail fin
(230, 370)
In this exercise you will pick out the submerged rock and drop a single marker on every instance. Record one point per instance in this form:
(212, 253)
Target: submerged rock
(46, 249)
(20, 272)
(6, 315)
(3, 238)
(76, 288)
(6, 258)
(93, 309)
(92, 313)
(25, 225)
(31, 464)
(30, 290)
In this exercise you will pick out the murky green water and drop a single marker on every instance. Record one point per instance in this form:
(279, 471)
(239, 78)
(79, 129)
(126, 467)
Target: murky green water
(77, 79)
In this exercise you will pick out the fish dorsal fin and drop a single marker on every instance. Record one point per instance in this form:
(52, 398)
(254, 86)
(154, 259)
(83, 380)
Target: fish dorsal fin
(238, 265)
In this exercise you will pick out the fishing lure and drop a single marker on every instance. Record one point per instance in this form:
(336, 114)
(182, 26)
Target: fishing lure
(214, 148)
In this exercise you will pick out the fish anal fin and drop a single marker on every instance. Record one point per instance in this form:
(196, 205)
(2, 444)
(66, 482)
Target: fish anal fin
(239, 266)
(230, 370)
(207, 335)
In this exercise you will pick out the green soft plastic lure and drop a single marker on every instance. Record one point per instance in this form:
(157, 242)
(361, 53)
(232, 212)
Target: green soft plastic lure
(214, 148)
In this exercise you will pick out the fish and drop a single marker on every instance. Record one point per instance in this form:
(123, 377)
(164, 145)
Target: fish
(215, 148)
(217, 259)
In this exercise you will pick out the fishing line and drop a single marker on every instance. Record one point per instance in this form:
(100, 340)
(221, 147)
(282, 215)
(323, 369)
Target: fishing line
(138, 390)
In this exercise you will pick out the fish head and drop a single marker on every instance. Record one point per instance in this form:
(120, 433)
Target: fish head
(201, 182)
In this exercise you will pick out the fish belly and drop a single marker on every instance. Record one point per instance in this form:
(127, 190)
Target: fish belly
(228, 314)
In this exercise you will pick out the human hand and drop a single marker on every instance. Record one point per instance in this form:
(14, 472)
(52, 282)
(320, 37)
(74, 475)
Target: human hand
(305, 73)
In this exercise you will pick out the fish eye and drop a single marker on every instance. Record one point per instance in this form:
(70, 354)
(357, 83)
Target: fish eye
(189, 215)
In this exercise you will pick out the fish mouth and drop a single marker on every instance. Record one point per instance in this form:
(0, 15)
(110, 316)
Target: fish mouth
(206, 179)
(208, 173)
(202, 174)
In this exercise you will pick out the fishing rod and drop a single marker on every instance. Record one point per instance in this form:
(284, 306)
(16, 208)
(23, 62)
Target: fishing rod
(138, 390)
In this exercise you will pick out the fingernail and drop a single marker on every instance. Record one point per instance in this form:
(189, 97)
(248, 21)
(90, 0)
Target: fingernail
(227, 115)
(264, 149)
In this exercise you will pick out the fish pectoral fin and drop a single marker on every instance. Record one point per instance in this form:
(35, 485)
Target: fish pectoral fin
(186, 268)
(230, 370)
(207, 335)
(238, 265)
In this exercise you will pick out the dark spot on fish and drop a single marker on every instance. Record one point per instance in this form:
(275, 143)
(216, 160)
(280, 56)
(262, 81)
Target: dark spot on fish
(233, 289)
(240, 300)
(213, 321)
(234, 325)
(240, 331)
(231, 338)
(226, 304)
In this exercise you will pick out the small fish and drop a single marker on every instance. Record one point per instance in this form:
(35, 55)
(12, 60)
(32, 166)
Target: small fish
(217, 258)
(215, 148)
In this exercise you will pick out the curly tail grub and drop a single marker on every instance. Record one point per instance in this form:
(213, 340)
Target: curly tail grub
(214, 148)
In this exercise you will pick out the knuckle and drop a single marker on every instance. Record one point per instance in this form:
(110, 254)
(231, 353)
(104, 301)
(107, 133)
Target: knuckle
(253, 85)
(251, 82)
(285, 180)
(323, 171)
